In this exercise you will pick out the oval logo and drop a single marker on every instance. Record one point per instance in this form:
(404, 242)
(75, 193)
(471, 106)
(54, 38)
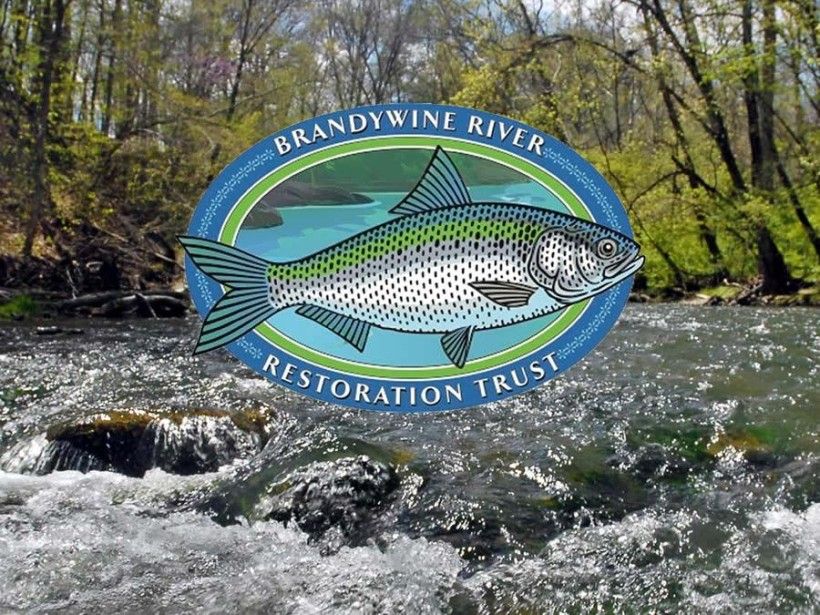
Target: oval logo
(409, 257)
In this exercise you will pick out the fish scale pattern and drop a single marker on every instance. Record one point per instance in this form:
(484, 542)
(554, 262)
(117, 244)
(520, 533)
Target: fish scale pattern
(415, 273)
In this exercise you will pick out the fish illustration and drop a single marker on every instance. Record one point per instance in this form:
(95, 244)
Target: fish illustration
(444, 265)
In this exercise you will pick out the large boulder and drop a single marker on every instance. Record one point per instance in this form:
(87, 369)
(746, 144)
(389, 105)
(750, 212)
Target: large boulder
(132, 443)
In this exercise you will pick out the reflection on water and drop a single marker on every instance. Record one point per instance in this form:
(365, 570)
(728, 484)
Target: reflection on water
(675, 469)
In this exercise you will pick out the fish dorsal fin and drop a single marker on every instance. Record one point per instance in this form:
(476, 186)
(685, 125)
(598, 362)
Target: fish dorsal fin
(349, 329)
(508, 294)
(440, 186)
(456, 345)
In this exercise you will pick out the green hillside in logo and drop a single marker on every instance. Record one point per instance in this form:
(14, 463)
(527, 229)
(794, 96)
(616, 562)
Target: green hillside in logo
(399, 170)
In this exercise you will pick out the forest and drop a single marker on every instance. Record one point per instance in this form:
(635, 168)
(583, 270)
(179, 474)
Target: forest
(702, 114)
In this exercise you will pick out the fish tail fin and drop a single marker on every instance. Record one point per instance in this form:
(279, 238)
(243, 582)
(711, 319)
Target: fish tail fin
(245, 305)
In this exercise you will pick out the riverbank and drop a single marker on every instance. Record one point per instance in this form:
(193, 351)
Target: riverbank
(95, 272)
(26, 303)
(732, 294)
(126, 266)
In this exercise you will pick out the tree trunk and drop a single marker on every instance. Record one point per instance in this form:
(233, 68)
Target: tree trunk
(766, 97)
(21, 24)
(775, 278)
(116, 18)
(128, 97)
(78, 51)
(797, 206)
(692, 55)
(4, 20)
(95, 77)
(240, 67)
(52, 37)
(759, 99)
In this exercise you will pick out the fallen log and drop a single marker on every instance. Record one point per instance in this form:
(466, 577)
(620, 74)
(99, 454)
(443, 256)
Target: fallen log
(143, 305)
(38, 294)
(97, 300)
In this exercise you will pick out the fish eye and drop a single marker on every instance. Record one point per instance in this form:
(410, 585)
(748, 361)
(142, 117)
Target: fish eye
(606, 248)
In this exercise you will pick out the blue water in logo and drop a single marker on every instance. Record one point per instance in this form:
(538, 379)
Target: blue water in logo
(308, 229)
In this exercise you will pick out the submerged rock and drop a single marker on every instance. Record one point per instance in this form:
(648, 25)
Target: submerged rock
(755, 450)
(195, 444)
(338, 493)
(132, 443)
(652, 460)
(676, 455)
(744, 442)
(23, 457)
(61, 455)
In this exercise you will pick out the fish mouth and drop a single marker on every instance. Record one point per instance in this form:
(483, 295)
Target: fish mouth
(626, 267)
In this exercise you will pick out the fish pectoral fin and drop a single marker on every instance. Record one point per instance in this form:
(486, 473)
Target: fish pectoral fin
(350, 329)
(440, 186)
(456, 345)
(508, 294)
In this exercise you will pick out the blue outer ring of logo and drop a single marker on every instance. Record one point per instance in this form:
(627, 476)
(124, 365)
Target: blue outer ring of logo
(559, 159)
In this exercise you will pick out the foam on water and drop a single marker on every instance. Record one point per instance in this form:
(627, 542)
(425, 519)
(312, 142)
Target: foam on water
(84, 543)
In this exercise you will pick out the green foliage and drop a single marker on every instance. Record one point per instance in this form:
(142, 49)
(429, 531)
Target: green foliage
(76, 163)
(723, 292)
(20, 306)
(482, 88)
(791, 238)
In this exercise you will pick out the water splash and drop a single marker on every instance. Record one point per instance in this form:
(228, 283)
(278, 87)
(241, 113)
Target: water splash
(133, 443)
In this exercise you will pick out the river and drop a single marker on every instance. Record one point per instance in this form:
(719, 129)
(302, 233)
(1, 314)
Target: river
(676, 468)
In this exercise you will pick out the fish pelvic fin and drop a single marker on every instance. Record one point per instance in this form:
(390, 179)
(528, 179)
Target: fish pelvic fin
(350, 329)
(456, 345)
(248, 300)
(507, 294)
(440, 186)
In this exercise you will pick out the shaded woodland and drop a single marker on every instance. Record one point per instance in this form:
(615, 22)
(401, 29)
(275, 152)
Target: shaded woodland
(116, 114)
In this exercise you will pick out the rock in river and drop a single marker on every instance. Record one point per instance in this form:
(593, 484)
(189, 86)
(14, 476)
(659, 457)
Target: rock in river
(132, 443)
(263, 215)
(653, 460)
(333, 494)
